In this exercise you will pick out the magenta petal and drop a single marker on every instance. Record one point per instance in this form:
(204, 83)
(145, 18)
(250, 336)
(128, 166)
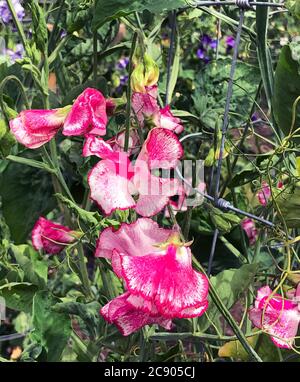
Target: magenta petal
(151, 205)
(88, 114)
(110, 190)
(51, 237)
(128, 319)
(280, 318)
(34, 128)
(161, 279)
(145, 106)
(168, 121)
(264, 194)
(194, 312)
(136, 239)
(154, 192)
(97, 146)
(161, 149)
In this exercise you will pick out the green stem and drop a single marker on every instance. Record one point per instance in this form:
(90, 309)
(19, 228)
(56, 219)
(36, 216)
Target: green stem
(83, 272)
(129, 92)
(228, 317)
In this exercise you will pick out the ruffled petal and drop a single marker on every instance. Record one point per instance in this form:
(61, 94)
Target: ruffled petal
(281, 325)
(161, 278)
(161, 149)
(88, 114)
(34, 128)
(127, 318)
(97, 146)
(109, 189)
(154, 191)
(168, 121)
(51, 237)
(136, 239)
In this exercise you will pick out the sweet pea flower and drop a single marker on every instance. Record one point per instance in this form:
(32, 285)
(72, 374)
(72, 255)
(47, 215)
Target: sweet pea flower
(248, 226)
(114, 180)
(264, 194)
(51, 237)
(34, 128)
(88, 114)
(153, 263)
(127, 318)
(145, 106)
(278, 317)
(168, 121)
(147, 111)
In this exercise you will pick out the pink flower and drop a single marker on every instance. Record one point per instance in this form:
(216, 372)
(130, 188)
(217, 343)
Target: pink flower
(168, 121)
(278, 317)
(129, 319)
(154, 265)
(145, 107)
(88, 114)
(248, 226)
(148, 112)
(264, 194)
(34, 128)
(114, 180)
(118, 142)
(51, 237)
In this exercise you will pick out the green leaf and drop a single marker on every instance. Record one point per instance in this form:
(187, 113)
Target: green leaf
(100, 84)
(294, 7)
(52, 329)
(286, 90)
(107, 10)
(89, 313)
(247, 174)
(229, 285)
(40, 31)
(234, 349)
(263, 51)
(86, 216)
(289, 203)
(18, 296)
(26, 194)
(35, 270)
(262, 343)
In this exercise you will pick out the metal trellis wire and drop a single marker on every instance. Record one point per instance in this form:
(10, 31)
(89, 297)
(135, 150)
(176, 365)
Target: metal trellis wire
(215, 198)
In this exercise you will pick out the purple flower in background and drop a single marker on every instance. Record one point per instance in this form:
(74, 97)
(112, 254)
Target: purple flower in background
(230, 42)
(123, 80)
(214, 44)
(206, 39)
(254, 117)
(5, 15)
(201, 53)
(122, 63)
(15, 54)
